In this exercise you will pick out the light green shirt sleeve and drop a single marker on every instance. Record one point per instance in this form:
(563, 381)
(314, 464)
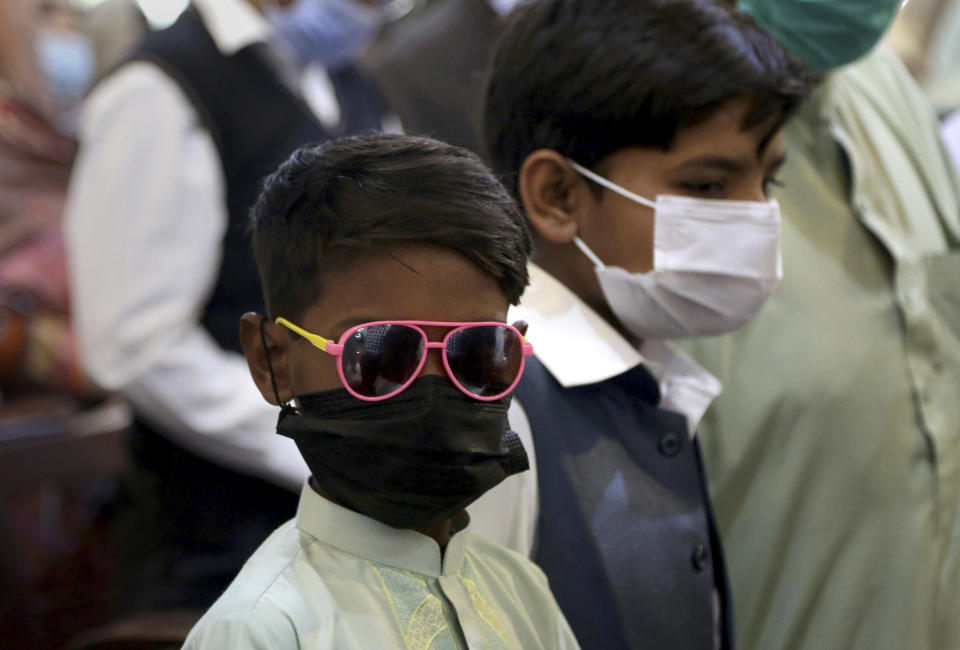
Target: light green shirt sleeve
(254, 630)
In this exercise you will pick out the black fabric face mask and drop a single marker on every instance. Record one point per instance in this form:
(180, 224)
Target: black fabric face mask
(410, 461)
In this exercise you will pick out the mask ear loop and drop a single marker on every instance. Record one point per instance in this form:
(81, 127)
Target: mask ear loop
(610, 185)
(589, 253)
(266, 351)
(613, 187)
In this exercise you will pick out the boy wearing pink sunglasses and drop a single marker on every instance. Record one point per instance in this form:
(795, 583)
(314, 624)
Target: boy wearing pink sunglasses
(388, 264)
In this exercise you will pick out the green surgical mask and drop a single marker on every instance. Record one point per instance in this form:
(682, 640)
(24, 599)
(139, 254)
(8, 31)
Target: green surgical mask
(824, 34)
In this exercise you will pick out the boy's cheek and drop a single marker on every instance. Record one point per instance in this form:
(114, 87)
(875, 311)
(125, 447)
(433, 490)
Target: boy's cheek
(311, 376)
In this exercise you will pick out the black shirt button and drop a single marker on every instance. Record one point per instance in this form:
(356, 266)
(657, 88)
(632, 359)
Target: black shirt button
(701, 557)
(671, 444)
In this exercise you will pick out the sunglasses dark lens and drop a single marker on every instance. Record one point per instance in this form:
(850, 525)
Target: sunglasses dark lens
(485, 359)
(379, 359)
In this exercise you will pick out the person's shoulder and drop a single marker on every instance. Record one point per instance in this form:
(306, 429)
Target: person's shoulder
(268, 601)
(508, 567)
(132, 78)
(261, 627)
(138, 88)
(881, 65)
(883, 78)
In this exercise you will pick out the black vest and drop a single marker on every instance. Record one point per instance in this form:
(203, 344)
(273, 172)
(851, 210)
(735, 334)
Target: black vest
(256, 122)
(626, 535)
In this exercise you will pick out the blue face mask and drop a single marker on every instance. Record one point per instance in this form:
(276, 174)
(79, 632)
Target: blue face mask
(824, 34)
(68, 64)
(331, 32)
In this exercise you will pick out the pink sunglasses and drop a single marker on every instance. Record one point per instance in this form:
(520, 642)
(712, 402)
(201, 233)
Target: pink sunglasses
(379, 360)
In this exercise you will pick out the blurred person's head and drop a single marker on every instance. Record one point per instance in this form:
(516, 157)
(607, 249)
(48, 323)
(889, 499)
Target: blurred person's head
(67, 59)
(115, 27)
(46, 60)
(362, 230)
(655, 97)
(825, 34)
(332, 32)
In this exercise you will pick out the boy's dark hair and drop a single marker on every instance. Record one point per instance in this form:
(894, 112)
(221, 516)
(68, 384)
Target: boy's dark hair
(364, 192)
(589, 77)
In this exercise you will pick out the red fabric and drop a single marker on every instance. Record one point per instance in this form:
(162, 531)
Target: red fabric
(34, 172)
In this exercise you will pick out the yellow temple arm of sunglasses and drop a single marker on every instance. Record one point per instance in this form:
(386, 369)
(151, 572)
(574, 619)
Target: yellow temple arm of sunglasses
(315, 339)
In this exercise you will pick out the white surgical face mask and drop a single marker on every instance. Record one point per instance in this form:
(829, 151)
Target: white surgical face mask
(330, 32)
(715, 263)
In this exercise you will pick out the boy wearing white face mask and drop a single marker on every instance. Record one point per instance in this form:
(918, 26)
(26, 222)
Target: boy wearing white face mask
(641, 138)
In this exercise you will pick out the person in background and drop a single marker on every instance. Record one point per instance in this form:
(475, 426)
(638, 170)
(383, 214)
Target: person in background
(48, 523)
(834, 451)
(642, 138)
(45, 66)
(173, 145)
(383, 243)
(431, 67)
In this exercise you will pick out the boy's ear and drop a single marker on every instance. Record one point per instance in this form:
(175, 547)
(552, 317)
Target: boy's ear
(553, 194)
(266, 352)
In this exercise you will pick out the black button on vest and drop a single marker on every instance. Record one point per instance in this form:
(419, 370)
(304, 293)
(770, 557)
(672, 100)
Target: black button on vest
(701, 557)
(671, 444)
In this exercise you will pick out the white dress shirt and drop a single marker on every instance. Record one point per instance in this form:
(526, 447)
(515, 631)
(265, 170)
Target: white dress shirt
(579, 347)
(333, 578)
(145, 218)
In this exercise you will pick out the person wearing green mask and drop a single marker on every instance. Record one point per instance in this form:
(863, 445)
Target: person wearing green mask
(825, 34)
(833, 454)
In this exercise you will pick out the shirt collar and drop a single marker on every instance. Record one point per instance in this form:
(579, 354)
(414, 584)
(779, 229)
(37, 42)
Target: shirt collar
(233, 24)
(579, 347)
(369, 539)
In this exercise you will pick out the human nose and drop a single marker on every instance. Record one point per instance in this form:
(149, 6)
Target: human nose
(752, 191)
(749, 195)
